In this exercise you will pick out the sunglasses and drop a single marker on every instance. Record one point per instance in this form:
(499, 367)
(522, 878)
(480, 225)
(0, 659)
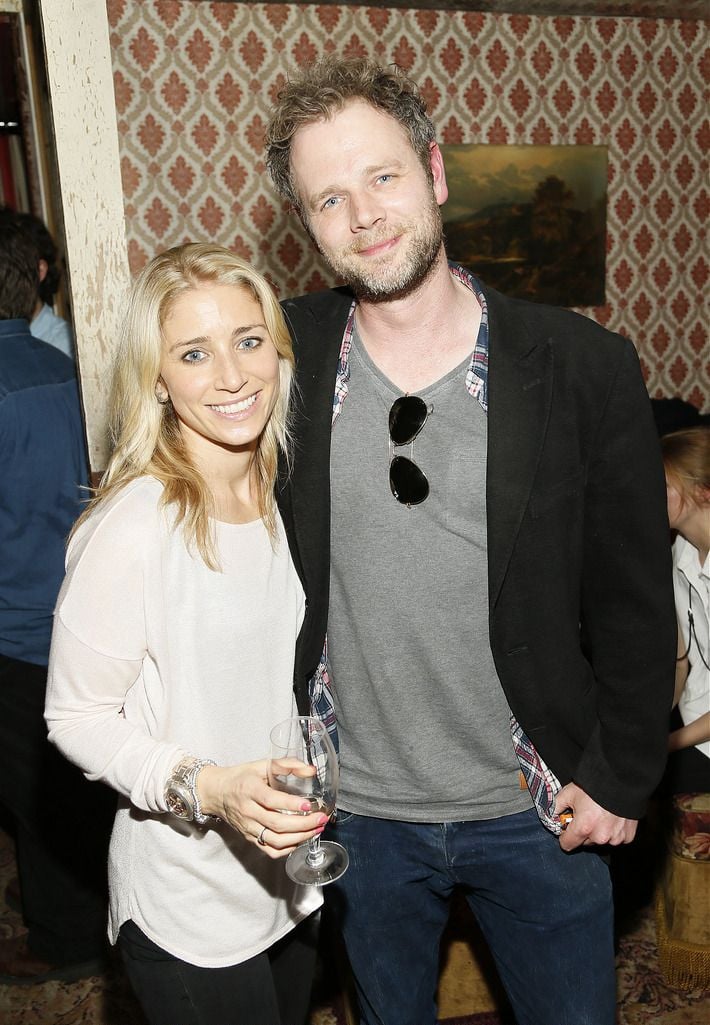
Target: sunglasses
(408, 415)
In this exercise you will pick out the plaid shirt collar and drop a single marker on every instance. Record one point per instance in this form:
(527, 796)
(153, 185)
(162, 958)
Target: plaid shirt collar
(476, 374)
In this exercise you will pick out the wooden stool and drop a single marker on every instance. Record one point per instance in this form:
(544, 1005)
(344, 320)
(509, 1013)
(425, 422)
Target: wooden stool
(683, 896)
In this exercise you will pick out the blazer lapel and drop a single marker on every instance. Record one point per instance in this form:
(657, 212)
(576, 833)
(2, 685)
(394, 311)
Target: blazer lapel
(520, 394)
(317, 327)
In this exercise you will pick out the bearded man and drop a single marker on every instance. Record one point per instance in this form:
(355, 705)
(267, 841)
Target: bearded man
(477, 510)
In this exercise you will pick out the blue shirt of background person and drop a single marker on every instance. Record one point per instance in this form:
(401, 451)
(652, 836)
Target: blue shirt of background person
(53, 329)
(43, 468)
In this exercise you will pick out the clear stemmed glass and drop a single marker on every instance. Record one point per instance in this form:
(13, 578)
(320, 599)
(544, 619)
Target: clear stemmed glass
(306, 739)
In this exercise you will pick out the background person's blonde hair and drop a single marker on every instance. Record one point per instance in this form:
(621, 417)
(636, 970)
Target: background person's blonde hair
(686, 460)
(145, 434)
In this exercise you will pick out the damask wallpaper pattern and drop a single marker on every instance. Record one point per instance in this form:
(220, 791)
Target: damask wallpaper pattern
(195, 82)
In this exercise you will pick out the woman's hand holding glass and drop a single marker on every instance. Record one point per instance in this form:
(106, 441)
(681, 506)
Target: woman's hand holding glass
(304, 763)
(241, 796)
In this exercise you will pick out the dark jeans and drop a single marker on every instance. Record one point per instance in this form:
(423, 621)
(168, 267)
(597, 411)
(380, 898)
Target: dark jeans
(546, 915)
(272, 988)
(62, 826)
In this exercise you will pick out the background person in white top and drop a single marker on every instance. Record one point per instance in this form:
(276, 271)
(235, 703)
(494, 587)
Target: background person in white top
(686, 458)
(173, 649)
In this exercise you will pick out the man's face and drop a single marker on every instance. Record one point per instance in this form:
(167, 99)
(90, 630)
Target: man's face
(367, 201)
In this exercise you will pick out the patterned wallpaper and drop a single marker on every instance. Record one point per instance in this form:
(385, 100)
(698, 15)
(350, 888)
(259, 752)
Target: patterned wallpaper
(195, 81)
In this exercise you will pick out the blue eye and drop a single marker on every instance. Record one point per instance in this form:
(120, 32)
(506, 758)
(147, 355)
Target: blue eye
(194, 356)
(330, 203)
(250, 343)
(385, 178)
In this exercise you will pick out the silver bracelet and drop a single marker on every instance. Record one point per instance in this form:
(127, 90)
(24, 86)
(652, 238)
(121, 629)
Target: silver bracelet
(180, 792)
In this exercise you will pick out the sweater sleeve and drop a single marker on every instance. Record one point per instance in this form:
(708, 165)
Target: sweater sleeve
(99, 653)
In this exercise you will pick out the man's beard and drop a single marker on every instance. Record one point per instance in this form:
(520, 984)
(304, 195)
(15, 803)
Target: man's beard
(381, 283)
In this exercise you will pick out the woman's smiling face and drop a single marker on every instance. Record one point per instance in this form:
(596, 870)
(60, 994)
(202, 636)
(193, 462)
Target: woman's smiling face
(220, 369)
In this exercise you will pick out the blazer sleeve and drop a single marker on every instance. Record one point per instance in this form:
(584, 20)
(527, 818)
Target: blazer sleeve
(628, 620)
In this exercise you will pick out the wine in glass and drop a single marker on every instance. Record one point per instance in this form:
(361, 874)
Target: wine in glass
(306, 739)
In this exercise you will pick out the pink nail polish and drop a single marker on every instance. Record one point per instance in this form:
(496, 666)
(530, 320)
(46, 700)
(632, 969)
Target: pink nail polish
(322, 820)
(306, 806)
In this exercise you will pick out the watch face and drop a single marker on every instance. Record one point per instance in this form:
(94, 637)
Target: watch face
(179, 803)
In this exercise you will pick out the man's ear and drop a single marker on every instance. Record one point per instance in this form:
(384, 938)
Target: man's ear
(438, 172)
(42, 269)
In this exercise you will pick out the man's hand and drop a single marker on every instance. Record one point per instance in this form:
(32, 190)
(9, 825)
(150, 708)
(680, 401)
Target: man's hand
(591, 824)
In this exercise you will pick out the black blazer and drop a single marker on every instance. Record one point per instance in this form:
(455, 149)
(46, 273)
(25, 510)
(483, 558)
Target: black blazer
(582, 620)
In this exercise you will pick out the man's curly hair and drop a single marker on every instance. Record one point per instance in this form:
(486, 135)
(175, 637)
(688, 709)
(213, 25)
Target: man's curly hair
(323, 89)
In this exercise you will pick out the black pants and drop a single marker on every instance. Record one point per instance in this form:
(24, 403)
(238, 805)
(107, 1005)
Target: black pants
(272, 988)
(62, 825)
(687, 770)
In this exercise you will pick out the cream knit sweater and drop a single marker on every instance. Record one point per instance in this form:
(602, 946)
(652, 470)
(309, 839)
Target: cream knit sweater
(155, 656)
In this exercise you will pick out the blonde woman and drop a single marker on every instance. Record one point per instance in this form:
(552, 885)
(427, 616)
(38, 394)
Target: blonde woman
(173, 646)
(686, 459)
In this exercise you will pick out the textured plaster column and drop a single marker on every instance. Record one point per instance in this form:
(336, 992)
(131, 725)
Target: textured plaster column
(76, 43)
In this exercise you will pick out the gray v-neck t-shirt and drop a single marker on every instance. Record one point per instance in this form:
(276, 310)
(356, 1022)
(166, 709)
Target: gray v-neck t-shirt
(422, 718)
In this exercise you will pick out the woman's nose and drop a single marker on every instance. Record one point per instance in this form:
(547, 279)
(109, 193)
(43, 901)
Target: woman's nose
(231, 375)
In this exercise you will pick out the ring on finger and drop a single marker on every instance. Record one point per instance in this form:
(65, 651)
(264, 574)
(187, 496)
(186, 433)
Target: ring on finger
(260, 838)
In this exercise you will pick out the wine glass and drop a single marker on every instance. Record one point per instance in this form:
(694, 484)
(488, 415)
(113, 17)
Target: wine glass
(306, 739)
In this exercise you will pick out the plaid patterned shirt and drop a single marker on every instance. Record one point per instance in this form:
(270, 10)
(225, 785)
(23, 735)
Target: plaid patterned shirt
(539, 778)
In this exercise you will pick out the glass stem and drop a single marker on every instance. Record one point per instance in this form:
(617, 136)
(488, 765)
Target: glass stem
(315, 854)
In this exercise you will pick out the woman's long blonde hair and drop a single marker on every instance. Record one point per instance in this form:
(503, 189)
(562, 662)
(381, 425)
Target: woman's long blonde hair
(145, 433)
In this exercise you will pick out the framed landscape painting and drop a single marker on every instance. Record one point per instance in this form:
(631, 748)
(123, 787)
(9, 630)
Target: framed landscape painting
(530, 220)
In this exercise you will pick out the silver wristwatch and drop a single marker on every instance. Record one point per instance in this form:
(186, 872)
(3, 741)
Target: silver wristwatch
(181, 790)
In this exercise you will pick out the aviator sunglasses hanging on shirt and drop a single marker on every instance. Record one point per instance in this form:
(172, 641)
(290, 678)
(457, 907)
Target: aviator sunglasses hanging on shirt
(408, 483)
